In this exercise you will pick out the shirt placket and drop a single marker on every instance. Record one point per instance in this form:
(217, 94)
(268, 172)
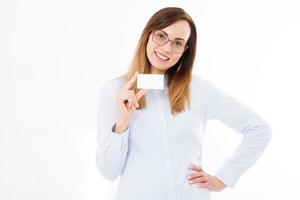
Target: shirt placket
(166, 146)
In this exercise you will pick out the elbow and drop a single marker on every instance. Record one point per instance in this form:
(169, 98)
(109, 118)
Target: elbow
(266, 133)
(269, 132)
(106, 171)
(263, 132)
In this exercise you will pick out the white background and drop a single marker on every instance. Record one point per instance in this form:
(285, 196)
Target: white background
(55, 55)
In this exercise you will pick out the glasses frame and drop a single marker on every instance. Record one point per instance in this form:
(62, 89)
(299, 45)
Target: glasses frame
(172, 41)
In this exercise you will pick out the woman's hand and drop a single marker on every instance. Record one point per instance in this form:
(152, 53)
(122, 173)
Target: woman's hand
(202, 179)
(127, 100)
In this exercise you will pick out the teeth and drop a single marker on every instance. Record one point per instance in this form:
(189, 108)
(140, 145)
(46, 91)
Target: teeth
(161, 56)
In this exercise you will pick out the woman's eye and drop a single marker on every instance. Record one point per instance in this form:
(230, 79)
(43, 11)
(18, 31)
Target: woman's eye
(179, 43)
(161, 36)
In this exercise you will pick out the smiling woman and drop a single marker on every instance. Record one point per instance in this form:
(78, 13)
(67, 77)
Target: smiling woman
(167, 46)
(155, 148)
(162, 54)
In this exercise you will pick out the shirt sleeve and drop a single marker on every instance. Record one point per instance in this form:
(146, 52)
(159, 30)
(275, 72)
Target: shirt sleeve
(240, 118)
(112, 147)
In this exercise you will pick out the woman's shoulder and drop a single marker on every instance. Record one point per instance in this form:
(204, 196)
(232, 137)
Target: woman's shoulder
(195, 78)
(112, 86)
(198, 81)
(201, 81)
(203, 86)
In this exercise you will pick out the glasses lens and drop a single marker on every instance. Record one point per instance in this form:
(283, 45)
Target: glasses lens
(160, 37)
(178, 46)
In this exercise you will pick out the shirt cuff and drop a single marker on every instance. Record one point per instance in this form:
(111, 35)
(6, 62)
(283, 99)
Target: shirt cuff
(228, 174)
(116, 139)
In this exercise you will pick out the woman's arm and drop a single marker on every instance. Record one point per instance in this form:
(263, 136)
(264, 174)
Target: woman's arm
(237, 116)
(112, 147)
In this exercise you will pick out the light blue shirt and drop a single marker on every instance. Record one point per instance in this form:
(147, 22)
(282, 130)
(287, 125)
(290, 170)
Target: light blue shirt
(153, 155)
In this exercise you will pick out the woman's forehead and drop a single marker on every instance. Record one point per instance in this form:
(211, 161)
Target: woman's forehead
(179, 29)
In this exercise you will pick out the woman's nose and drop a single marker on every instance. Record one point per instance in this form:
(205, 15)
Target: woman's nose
(167, 47)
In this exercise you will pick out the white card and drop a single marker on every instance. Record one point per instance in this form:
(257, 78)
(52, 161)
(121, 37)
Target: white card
(150, 81)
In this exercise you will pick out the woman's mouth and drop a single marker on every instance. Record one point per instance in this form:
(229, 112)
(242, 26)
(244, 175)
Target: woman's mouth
(161, 57)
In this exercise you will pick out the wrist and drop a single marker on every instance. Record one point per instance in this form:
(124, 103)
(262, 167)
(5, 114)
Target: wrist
(121, 121)
(121, 126)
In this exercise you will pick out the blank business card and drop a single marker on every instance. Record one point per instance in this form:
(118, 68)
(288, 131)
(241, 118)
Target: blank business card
(150, 81)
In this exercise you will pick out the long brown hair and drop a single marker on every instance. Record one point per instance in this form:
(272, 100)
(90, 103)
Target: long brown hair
(178, 77)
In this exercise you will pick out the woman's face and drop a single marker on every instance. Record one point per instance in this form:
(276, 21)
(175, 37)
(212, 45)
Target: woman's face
(163, 57)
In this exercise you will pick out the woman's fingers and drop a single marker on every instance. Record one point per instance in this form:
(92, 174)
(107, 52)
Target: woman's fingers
(128, 100)
(132, 98)
(129, 97)
(136, 97)
(131, 82)
(196, 167)
(202, 179)
(196, 175)
(140, 93)
(198, 178)
(136, 102)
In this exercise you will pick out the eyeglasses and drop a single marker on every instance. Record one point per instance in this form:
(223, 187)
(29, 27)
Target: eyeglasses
(161, 38)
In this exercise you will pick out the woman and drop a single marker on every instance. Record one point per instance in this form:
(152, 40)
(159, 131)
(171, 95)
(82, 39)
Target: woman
(152, 138)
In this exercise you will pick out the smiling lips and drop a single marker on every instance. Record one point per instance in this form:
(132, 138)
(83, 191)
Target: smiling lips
(161, 57)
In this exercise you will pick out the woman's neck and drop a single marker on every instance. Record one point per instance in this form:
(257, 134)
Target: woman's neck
(156, 71)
